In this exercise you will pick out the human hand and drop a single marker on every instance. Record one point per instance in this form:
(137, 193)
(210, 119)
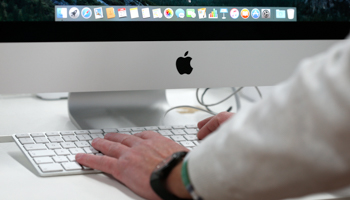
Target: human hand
(131, 159)
(210, 124)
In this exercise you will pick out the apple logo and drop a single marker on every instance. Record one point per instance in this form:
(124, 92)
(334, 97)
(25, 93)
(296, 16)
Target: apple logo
(183, 65)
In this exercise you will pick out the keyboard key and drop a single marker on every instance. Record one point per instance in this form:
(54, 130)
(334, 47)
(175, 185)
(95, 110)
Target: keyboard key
(71, 158)
(51, 167)
(22, 135)
(110, 130)
(196, 142)
(187, 144)
(97, 131)
(191, 131)
(37, 134)
(84, 137)
(64, 133)
(71, 166)
(178, 132)
(96, 136)
(53, 145)
(60, 159)
(90, 150)
(81, 132)
(165, 127)
(41, 153)
(68, 145)
(43, 160)
(41, 140)
(81, 144)
(191, 137)
(138, 129)
(62, 152)
(70, 138)
(165, 132)
(55, 139)
(191, 126)
(124, 129)
(32, 147)
(134, 132)
(178, 138)
(48, 134)
(26, 141)
(179, 127)
(151, 128)
(76, 151)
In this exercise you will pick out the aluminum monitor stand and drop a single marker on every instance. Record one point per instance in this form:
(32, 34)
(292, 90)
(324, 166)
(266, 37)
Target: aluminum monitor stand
(96, 110)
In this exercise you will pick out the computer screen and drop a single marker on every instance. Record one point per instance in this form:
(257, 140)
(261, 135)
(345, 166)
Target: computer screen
(131, 45)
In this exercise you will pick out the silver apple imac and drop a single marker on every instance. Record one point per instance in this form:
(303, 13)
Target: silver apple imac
(117, 57)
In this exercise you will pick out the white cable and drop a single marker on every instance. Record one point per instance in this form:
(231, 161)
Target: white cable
(184, 106)
(214, 104)
(257, 89)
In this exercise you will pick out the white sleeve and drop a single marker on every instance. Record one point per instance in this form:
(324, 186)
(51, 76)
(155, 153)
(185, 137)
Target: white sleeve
(294, 142)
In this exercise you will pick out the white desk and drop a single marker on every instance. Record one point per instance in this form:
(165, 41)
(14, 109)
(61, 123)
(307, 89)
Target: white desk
(26, 113)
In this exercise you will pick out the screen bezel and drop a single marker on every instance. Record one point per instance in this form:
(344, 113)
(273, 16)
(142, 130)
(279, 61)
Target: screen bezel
(169, 31)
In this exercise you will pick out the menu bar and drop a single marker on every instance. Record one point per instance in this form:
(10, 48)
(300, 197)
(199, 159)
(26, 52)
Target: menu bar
(174, 13)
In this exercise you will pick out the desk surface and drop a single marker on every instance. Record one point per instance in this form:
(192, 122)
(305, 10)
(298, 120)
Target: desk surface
(26, 113)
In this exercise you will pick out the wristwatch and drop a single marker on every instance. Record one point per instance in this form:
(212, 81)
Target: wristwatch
(161, 172)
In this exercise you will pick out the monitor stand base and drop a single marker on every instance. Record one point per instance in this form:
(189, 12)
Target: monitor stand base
(96, 110)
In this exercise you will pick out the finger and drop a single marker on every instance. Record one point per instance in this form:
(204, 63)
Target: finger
(109, 148)
(213, 124)
(203, 122)
(147, 135)
(102, 163)
(127, 140)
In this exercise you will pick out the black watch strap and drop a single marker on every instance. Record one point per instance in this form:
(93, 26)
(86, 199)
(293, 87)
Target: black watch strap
(160, 174)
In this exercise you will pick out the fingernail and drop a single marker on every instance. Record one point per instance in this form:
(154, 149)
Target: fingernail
(95, 140)
(78, 156)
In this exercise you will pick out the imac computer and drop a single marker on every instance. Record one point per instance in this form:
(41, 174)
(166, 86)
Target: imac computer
(117, 57)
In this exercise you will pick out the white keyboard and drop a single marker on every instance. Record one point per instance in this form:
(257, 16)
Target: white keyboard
(53, 153)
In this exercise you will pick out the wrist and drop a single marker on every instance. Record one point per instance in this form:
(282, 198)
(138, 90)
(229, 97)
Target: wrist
(174, 183)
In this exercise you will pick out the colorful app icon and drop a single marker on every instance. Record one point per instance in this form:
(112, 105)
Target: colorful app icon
(255, 13)
(157, 13)
(122, 12)
(86, 13)
(180, 13)
(281, 14)
(74, 13)
(266, 13)
(234, 13)
(98, 13)
(134, 13)
(245, 13)
(62, 13)
(168, 13)
(191, 13)
(110, 13)
(223, 11)
(213, 14)
(145, 13)
(202, 13)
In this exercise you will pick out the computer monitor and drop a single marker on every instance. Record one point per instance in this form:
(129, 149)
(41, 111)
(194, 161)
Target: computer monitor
(134, 46)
